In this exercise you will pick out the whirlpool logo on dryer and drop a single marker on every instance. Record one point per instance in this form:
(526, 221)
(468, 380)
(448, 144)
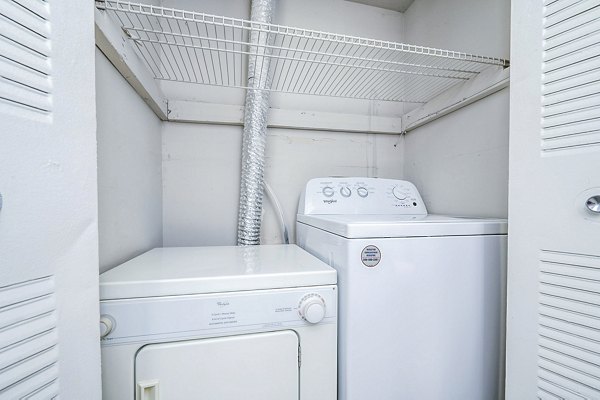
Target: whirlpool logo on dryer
(330, 201)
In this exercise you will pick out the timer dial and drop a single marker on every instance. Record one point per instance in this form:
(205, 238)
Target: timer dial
(328, 191)
(312, 308)
(398, 193)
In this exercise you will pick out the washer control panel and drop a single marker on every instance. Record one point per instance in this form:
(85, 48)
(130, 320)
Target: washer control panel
(352, 195)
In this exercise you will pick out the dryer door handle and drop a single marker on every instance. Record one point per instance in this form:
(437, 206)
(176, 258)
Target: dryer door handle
(147, 390)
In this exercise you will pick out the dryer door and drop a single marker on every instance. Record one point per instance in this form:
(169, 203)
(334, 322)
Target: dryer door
(261, 366)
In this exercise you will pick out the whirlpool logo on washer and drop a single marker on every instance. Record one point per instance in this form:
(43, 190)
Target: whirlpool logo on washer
(330, 201)
(370, 256)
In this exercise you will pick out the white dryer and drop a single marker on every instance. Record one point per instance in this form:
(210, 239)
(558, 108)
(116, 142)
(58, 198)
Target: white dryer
(421, 306)
(219, 323)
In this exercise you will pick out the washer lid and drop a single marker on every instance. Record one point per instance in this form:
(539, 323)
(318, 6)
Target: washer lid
(398, 226)
(198, 270)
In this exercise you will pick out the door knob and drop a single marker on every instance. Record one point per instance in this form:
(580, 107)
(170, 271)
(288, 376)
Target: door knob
(593, 204)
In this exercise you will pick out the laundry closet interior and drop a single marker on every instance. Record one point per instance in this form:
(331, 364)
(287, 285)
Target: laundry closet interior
(347, 99)
(299, 199)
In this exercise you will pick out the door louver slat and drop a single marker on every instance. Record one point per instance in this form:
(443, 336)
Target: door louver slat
(569, 326)
(570, 76)
(28, 340)
(25, 70)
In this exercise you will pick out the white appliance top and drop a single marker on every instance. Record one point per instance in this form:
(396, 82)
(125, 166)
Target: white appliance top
(381, 208)
(397, 226)
(200, 270)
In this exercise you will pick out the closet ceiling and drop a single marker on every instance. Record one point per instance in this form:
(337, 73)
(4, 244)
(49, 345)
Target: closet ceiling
(396, 5)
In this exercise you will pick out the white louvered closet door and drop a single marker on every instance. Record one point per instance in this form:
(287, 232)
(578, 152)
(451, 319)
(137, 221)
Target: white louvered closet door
(48, 219)
(553, 322)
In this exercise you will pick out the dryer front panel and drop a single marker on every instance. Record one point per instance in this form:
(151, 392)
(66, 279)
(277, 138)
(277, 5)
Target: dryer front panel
(169, 318)
(261, 366)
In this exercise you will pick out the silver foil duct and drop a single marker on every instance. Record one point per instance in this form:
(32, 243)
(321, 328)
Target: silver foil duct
(255, 127)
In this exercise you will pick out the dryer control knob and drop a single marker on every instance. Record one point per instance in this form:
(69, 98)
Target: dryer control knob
(106, 325)
(312, 308)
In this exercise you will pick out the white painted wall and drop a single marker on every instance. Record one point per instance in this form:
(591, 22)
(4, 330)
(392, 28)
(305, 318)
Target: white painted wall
(460, 162)
(129, 169)
(201, 174)
(471, 26)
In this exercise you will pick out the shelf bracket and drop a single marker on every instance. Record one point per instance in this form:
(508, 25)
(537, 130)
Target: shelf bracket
(486, 83)
(116, 46)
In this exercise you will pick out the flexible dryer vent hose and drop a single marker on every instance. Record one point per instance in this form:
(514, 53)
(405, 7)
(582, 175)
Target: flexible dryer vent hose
(255, 127)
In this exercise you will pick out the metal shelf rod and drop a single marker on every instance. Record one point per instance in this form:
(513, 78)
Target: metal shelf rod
(315, 53)
(309, 61)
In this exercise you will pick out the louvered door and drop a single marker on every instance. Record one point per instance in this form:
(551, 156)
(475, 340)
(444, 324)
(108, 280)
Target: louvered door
(48, 233)
(553, 349)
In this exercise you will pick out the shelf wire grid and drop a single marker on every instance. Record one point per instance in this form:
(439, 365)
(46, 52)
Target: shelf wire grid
(193, 47)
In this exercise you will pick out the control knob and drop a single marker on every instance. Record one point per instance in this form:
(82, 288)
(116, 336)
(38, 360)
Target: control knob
(312, 308)
(362, 191)
(398, 194)
(106, 325)
(345, 191)
(328, 191)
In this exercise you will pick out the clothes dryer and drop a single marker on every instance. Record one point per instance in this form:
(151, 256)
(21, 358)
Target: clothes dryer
(222, 323)
(421, 306)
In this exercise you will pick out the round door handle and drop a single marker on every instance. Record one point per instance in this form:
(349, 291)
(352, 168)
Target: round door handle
(593, 204)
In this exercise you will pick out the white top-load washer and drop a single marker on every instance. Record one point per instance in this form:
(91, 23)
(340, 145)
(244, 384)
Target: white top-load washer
(421, 305)
(219, 323)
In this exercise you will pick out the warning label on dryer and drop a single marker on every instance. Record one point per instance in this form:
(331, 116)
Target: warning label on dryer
(370, 256)
(223, 318)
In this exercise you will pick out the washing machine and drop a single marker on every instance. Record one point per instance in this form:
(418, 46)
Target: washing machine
(219, 323)
(421, 302)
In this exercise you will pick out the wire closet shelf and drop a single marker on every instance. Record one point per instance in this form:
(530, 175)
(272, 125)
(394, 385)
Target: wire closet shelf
(194, 47)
